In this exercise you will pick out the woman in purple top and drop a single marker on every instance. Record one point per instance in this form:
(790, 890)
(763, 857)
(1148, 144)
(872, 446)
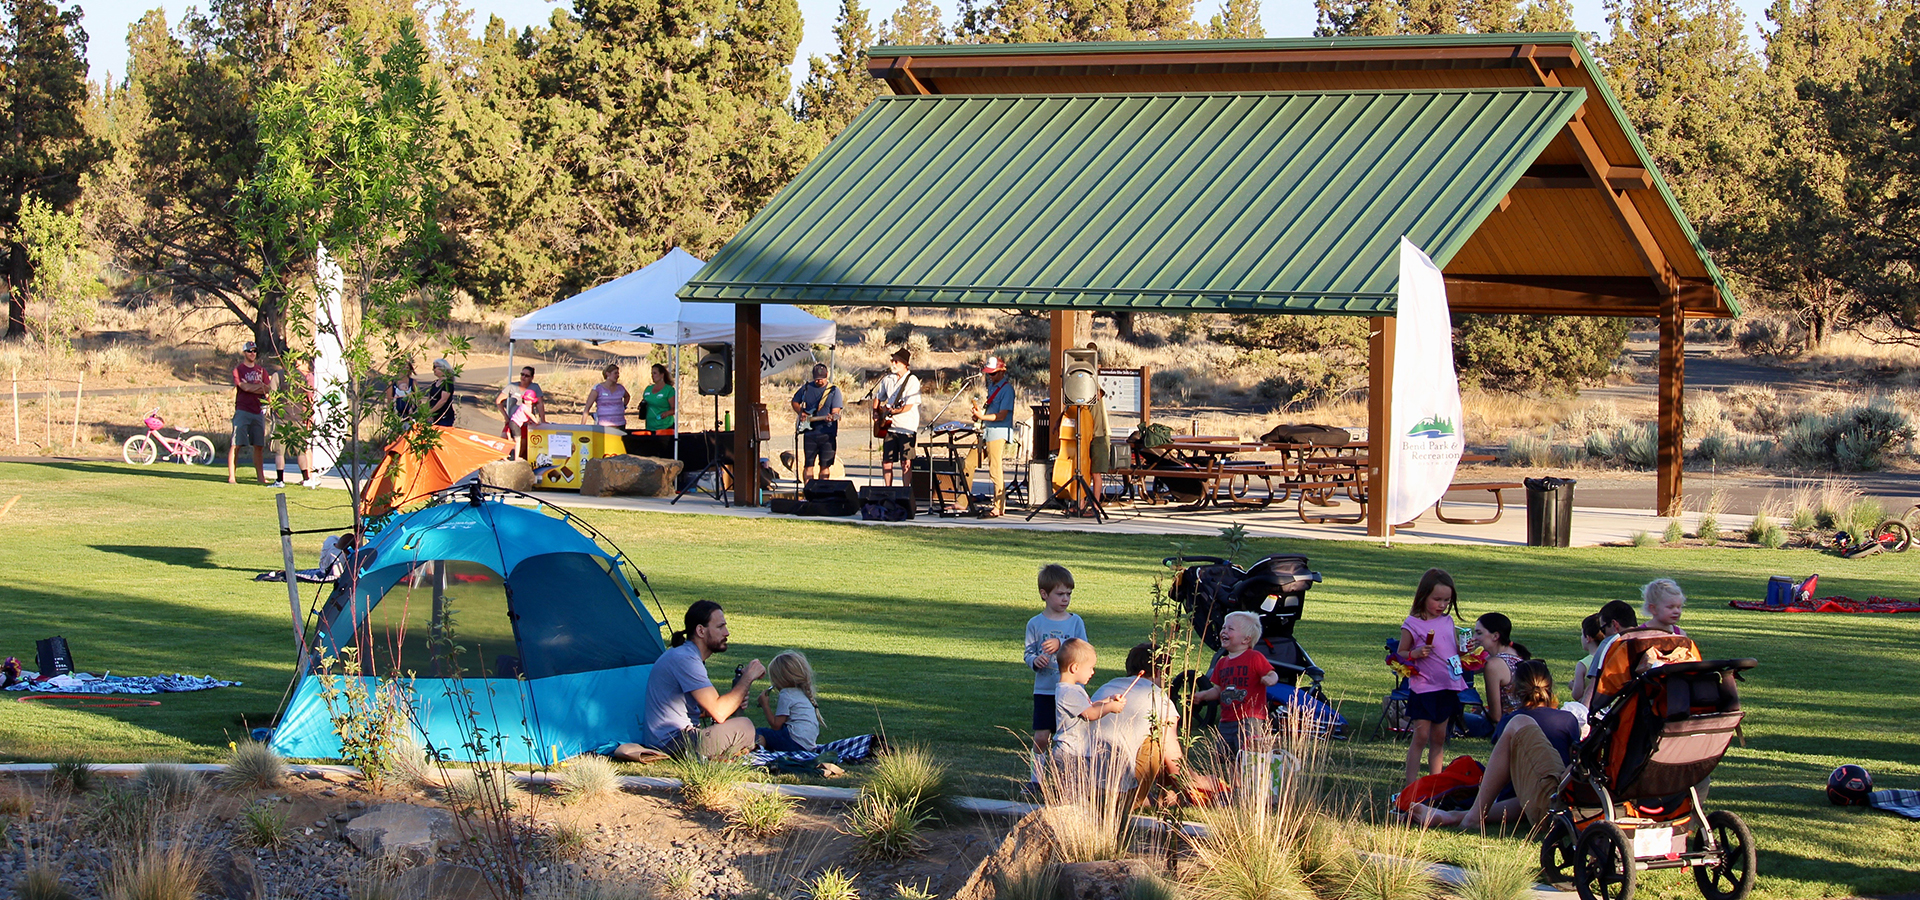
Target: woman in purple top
(1430, 644)
(606, 402)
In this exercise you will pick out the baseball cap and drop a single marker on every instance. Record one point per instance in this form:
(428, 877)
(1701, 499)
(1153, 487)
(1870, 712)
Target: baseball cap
(247, 347)
(993, 364)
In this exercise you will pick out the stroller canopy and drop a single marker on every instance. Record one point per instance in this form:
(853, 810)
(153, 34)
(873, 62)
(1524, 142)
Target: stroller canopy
(541, 612)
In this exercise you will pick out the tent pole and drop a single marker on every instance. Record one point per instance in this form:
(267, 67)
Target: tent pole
(673, 365)
(293, 583)
(439, 613)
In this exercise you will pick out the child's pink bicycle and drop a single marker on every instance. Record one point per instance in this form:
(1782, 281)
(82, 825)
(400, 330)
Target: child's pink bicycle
(143, 449)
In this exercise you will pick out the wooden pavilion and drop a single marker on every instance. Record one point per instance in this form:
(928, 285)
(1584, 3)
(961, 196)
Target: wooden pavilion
(1240, 176)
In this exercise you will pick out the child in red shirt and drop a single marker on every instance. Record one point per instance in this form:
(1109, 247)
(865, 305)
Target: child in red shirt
(1245, 672)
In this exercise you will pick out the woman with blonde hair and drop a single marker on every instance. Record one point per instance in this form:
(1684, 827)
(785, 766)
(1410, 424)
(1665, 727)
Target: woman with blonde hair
(606, 402)
(794, 719)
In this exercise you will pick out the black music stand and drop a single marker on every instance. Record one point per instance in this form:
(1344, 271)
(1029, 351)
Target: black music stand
(1082, 461)
(713, 467)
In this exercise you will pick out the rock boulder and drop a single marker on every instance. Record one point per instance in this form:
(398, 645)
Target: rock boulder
(401, 831)
(641, 476)
(512, 474)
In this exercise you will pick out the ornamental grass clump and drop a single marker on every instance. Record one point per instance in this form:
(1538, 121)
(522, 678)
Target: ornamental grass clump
(910, 774)
(709, 784)
(253, 765)
(1498, 874)
(760, 813)
(169, 870)
(587, 778)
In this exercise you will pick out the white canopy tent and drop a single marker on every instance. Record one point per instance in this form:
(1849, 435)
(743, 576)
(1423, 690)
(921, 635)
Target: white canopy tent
(641, 307)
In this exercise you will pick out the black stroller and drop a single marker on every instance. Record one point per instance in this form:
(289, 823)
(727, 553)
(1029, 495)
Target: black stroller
(1275, 589)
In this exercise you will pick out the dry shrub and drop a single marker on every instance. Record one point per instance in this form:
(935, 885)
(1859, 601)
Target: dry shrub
(1087, 812)
(170, 870)
(1500, 873)
(1386, 864)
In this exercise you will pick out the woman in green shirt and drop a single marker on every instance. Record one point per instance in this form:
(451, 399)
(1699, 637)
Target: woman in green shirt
(657, 400)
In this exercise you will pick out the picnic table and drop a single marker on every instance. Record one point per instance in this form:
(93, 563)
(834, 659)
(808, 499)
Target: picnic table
(1311, 475)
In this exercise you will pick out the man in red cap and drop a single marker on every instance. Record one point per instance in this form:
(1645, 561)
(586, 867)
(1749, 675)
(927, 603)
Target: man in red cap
(996, 429)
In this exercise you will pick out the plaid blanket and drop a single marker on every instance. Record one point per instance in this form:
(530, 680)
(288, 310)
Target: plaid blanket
(845, 750)
(1905, 803)
(1834, 605)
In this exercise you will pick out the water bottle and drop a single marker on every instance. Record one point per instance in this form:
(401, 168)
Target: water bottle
(729, 425)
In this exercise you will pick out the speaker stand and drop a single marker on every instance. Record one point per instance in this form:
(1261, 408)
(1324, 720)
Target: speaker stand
(713, 467)
(1062, 498)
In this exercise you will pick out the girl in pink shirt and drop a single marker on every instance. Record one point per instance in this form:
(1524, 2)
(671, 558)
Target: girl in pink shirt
(1429, 642)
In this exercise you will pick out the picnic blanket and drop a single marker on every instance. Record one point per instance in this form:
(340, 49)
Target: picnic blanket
(109, 683)
(1834, 604)
(1904, 803)
(846, 750)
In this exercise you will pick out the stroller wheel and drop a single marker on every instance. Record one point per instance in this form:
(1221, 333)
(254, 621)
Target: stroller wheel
(1731, 876)
(1603, 863)
(1556, 854)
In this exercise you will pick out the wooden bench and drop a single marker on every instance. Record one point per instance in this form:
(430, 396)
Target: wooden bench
(1320, 493)
(1492, 487)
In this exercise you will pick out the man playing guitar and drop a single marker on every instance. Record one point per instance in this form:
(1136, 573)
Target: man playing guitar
(818, 404)
(996, 424)
(896, 416)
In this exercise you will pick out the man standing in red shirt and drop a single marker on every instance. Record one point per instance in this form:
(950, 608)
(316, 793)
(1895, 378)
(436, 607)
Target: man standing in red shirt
(250, 385)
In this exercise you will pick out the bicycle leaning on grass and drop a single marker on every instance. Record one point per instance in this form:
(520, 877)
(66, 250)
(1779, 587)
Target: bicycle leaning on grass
(1897, 534)
(143, 449)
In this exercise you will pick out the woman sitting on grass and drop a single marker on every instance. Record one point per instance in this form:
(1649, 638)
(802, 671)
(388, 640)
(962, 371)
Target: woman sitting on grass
(1532, 746)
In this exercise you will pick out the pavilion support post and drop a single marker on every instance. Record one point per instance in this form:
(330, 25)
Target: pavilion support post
(1382, 331)
(746, 401)
(1065, 328)
(1673, 363)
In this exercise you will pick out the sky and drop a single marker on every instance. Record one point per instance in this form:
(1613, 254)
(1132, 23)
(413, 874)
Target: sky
(106, 22)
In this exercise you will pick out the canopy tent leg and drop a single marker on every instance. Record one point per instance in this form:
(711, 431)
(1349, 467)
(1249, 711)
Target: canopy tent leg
(438, 629)
(746, 398)
(1382, 331)
(1673, 365)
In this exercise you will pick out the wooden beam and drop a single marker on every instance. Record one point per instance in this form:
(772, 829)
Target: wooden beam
(1672, 427)
(1536, 183)
(1576, 295)
(1624, 211)
(1381, 334)
(1629, 178)
(898, 74)
(746, 403)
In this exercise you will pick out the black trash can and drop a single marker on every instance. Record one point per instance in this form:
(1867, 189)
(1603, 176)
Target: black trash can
(1550, 512)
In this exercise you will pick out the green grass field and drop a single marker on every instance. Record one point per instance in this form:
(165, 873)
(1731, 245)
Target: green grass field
(917, 631)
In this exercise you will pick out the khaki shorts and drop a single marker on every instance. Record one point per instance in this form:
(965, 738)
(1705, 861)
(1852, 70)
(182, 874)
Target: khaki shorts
(1535, 768)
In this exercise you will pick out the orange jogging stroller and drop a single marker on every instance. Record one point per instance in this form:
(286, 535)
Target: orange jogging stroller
(1660, 720)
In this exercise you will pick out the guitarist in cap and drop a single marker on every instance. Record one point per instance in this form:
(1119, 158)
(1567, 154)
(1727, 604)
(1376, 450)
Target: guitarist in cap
(996, 429)
(818, 403)
(896, 416)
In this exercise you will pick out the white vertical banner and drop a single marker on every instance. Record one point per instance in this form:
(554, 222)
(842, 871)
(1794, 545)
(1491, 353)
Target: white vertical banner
(329, 367)
(1425, 441)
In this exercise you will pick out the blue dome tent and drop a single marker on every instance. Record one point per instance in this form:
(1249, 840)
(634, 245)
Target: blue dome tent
(554, 644)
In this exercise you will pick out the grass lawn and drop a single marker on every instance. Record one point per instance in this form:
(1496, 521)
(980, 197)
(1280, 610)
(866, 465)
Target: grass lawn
(917, 630)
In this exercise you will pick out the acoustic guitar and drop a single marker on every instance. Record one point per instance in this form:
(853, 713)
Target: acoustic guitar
(882, 421)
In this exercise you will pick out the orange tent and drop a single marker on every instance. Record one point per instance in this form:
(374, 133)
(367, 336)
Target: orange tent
(404, 477)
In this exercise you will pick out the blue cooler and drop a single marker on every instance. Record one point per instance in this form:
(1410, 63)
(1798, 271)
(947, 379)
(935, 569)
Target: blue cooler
(1779, 590)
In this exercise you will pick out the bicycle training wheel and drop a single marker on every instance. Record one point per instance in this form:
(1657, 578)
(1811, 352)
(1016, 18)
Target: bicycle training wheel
(200, 450)
(138, 450)
(1893, 535)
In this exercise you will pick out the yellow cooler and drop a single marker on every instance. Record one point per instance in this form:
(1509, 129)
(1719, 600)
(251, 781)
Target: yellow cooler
(560, 452)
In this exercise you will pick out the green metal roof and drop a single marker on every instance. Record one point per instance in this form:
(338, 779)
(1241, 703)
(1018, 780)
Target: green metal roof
(1289, 202)
(1235, 44)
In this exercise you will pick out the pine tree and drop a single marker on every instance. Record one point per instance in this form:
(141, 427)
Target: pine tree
(837, 89)
(44, 148)
(1794, 244)
(915, 23)
(1047, 21)
(1238, 19)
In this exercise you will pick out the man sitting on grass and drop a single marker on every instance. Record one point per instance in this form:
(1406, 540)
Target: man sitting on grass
(679, 691)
